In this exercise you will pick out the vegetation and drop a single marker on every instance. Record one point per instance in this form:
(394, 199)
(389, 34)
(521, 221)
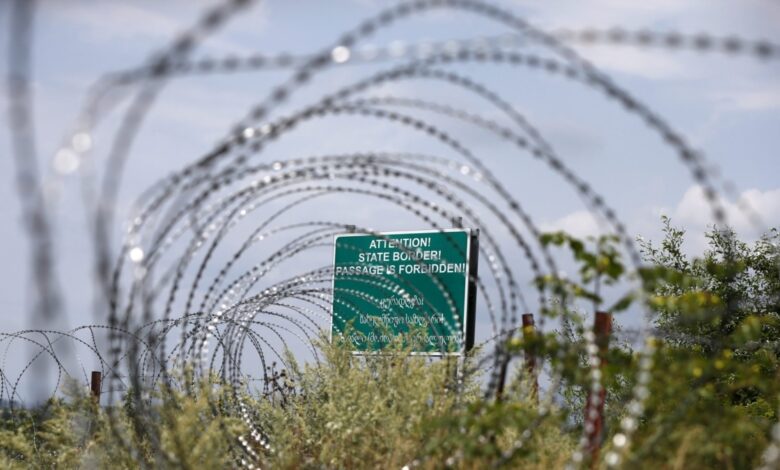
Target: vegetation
(75, 433)
(710, 401)
(717, 392)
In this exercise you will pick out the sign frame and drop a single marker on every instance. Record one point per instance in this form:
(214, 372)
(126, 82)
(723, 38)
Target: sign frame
(470, 295)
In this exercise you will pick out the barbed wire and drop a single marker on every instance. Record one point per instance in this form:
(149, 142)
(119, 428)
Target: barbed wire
(399, 50)
(218, 270)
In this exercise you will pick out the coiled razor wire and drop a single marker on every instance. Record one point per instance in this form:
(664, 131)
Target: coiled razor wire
(176, 293)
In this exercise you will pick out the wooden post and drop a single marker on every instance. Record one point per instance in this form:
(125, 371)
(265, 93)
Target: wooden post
(95, 385)
(529, 331)
(594, 412)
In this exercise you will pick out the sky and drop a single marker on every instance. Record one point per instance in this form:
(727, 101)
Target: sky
(727, 107)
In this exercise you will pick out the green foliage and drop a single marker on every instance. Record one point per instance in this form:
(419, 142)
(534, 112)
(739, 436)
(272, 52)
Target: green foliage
(52, 436)
(698, 412)
(601, 265)
(715, 394)
(709, 400)
(476, 436)
(388, 410)
(378, 411)
(705, 300)
(181, 431)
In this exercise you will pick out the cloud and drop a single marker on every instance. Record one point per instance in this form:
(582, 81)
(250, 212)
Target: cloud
(203, 107)
(694, 214)
(751, 100)
(570, 138)
(694, 209)
(120, 22)
(751, 215)
(608, 13)
(750, 19)
(655, 65)
(580, 224)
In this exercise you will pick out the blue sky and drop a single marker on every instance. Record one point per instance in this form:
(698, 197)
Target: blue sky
(727, 107)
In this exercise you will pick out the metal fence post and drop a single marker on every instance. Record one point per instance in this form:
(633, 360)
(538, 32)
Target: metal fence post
(594, 406)
(95, 385)
(529, 331)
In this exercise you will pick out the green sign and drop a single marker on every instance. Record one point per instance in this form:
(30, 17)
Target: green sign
(412, 287)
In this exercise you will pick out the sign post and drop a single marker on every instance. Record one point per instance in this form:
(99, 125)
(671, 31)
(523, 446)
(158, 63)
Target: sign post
(416, 289)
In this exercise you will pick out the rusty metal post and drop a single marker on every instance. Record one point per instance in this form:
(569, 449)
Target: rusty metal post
(594, 409)
(529, 331)
(95, 385)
